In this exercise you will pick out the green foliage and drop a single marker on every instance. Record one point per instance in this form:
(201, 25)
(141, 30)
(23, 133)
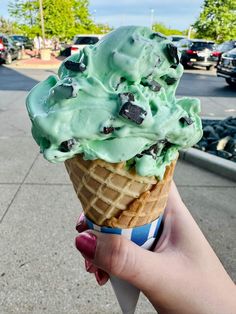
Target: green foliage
(162, 28)
(62, 19)
(58, 18)
(217, 20)
(8, 27)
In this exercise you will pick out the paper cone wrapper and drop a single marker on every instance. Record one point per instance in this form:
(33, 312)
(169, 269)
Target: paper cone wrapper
(144, 236)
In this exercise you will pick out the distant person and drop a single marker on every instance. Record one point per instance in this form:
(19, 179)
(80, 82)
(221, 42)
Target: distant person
(48, 43)
(38, 44)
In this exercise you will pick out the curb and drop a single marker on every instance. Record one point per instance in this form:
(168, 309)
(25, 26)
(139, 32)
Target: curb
(218, 165)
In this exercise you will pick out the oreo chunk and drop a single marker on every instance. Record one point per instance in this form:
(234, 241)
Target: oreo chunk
(66, 146)
(75, 66)
(187, 120)
(108, 129)
(169, 80)
(132, 112)
(173, 53)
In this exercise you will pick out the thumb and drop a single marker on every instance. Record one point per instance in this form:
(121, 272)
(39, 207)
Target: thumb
(118, 256)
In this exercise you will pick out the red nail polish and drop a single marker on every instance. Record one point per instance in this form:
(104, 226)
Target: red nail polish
(80, 223)
(101, 277)
(86, 243)
(90, 268)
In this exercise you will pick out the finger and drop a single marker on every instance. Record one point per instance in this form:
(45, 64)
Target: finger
(120, 257)
(90, 268)
(81, 224)
(101, 276)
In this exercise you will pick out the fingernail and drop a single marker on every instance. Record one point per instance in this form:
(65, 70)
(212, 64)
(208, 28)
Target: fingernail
(80, 223)
(86, 243)
(101, 277)
(89, 267)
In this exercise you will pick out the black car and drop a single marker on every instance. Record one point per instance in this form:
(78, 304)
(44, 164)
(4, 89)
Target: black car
(220, 49)
(8, 50)
(227, 67)
(196, 52)
(22, 41)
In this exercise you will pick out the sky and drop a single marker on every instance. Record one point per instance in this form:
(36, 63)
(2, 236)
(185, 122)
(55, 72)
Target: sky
(175, 14)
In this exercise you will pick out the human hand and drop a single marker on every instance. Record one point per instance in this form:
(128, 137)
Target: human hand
(182, 274)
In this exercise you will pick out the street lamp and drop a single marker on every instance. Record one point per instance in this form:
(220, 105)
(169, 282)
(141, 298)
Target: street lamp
(151, 17)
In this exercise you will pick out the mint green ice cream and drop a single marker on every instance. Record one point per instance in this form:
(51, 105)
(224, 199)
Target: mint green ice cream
(116, 101)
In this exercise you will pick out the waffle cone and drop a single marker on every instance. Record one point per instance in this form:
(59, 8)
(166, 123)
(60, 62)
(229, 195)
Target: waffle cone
(113, 196)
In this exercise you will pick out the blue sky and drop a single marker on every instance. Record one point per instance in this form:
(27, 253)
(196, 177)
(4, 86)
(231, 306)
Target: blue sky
(176, 14)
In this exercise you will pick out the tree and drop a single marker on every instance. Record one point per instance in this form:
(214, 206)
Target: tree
(59, 18)
(217, 20)
(63, 19)
(8, 27)
(162, 28)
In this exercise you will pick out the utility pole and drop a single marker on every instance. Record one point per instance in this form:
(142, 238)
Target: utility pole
(42, 20)
(189, 31)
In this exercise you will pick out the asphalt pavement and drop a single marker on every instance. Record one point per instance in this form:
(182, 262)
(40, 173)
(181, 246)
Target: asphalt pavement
(40, 270)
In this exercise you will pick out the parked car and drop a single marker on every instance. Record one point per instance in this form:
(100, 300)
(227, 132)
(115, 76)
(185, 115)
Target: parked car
(227, 67)
(80, 41)
(22, 41)
(8, 50)
(176, 39)
(220, 49)
(196, 52)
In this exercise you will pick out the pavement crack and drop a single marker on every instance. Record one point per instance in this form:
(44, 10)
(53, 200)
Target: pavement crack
(19, 187)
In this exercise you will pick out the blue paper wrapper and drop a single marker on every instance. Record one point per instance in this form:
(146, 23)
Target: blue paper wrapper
(143, 236)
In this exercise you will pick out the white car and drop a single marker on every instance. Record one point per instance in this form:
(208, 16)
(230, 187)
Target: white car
(80, 41)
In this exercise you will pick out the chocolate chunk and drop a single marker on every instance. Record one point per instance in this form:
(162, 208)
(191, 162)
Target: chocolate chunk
(129, 95)
(169, 80)
(75, 66)
(153, 85)
(66, 146)
(157, 34)
(187, 120)
(173, 53)
(107, 130)
(132, 112)
(154, 150)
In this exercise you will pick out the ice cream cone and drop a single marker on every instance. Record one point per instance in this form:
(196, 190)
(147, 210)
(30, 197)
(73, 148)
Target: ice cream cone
(115, 197)
(118, 201)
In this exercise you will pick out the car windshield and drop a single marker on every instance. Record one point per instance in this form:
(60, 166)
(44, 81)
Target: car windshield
(230, 54)
(86, 40)
(202, 45)
(19, 38)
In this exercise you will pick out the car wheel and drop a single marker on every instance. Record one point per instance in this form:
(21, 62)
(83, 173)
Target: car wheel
(230, 82)
(208, 67)
(8, 59)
